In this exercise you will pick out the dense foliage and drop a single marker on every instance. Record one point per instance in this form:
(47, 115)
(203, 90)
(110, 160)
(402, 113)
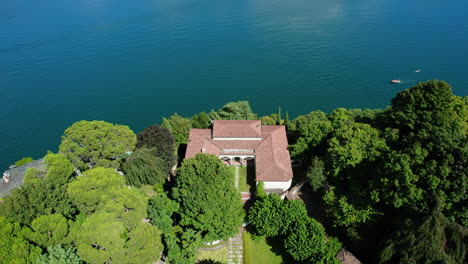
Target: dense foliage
(144, 167)
(48, 230)
(23, 161)
(381, 173)
(103, 238)
(43, 193)
(14, 248)
(114, 229)
(179, 127)
(59, 255)
(89, 144)
(181, 243)
(160, 139)
(240, 110)
(303, 237)
(96, 213)
(209, 202)
(391, 185)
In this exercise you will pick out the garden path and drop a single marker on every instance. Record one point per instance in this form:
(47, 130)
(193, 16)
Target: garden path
(235, 249)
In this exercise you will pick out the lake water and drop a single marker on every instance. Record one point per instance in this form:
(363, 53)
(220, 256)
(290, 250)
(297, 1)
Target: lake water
(133, 61)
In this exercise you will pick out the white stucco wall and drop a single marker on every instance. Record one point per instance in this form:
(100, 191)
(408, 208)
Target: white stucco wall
(283, 185)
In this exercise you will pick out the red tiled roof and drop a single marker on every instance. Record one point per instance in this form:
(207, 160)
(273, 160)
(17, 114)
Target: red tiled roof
(199, 141)
(237, 128)
(272, 159)
(273, 162)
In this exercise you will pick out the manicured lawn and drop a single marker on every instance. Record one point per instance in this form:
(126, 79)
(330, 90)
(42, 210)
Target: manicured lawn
(243, 186)
(258, 251)
(220, 255)
(247, 178)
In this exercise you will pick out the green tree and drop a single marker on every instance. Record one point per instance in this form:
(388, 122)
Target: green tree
(33, 175)
(279, 121)
(316, 174)
(304, 238)
(93, 187)
(143, 167)
(179, 127)
(344, 213)
(36, 199)
(425, 238)
(214, 115)
(44, 192)
(161, 210)
(59, 255)
(266, 215)
(102, 238)
(201, 120)
(268, 121)
(143, 245)
(429, 126)
(48, 230)
(307, 132)
(59, 168)
(260, 190)
(353, 143)
(88, 144)
(239, 110)
(209, 202)
(128, 205)
(24, 161)
(162, 140)
(102, 189)
(14, 248)
(182, 245)
(307, 239)
(116, 212)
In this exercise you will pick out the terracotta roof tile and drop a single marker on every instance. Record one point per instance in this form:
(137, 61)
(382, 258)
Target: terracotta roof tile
(272, 159)
(237, 128)
(199, 141)
(273, 162)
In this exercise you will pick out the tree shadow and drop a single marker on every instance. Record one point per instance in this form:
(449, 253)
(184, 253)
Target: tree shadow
(251, 176)
(209, 261)
(181, 152)
(313, 202)
(277, 247)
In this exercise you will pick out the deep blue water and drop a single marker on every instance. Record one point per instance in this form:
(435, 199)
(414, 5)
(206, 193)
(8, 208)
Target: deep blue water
(133, 61)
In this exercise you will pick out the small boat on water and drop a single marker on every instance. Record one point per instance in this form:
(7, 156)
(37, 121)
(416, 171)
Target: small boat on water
(395, 81)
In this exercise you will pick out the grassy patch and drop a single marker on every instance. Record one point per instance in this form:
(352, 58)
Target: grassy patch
(258, 251)
(220, 255)
(243, 185)
(23, 161)
(247, 179)
(222, 243)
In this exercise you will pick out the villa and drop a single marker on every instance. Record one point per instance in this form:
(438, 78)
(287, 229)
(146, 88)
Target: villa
(247, 141)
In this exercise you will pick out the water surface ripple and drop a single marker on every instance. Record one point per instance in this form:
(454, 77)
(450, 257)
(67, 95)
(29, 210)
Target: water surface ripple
(131, 62)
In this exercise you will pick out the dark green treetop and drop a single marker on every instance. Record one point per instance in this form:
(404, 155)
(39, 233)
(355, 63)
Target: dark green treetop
(209, 202)
(143, 167)
(88, 144)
